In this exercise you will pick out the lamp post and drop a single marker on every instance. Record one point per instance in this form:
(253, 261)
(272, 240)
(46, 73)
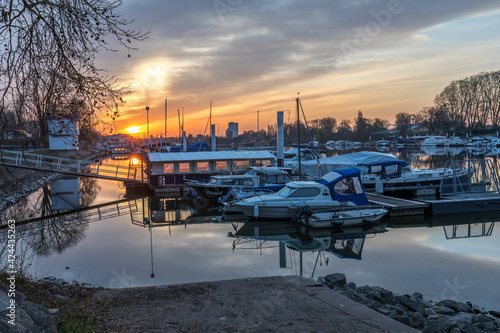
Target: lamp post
(147, 114)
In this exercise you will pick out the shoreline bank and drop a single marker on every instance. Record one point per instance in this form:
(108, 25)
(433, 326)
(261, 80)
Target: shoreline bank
(283, 303)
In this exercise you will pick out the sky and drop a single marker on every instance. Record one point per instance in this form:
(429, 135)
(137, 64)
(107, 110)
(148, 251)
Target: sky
(380, 57)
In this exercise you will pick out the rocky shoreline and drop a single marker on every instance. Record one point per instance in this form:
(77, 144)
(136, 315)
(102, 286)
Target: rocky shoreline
(414, 311)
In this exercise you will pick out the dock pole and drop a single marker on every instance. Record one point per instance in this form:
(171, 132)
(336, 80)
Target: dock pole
(280, 140)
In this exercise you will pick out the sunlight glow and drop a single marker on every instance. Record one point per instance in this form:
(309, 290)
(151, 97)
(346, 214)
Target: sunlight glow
(135, 161)
(133, 130)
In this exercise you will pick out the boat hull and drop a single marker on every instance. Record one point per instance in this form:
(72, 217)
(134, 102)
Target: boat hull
(283, 212)
(343, 218)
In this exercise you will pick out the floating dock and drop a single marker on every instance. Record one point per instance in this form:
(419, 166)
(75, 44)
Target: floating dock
(397, 206)
(464, 203)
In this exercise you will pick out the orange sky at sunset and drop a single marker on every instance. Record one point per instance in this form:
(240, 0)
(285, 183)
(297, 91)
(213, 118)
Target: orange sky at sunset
(259, 55)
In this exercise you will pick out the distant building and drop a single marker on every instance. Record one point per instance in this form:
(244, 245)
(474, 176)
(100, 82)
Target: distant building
(232, 130)
(63, 133)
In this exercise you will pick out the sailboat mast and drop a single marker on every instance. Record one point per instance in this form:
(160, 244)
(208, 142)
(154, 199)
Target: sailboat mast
(298, 139)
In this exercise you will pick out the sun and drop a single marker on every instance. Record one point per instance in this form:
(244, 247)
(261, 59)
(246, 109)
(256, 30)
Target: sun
(133, 129)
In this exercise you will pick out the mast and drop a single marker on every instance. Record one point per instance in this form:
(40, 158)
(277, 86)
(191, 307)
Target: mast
(298, 138)
(165, 143)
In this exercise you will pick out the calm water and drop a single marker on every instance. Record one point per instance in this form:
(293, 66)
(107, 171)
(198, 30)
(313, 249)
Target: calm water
(454, 257)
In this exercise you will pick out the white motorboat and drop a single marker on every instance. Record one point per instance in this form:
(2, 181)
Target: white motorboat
(434, 141)
(343, 218)
(384, 168)
(258, 179)
(336, 190)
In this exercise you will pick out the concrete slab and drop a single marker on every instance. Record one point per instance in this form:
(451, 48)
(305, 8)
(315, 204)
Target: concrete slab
(271, 304)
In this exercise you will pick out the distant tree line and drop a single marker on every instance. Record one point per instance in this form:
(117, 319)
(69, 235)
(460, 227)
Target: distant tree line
(470, 104)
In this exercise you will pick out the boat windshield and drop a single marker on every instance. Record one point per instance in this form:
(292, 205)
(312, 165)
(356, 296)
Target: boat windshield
(286, 191)
(213, 180)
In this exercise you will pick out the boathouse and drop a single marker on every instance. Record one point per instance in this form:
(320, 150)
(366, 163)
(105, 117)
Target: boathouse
(166, 169)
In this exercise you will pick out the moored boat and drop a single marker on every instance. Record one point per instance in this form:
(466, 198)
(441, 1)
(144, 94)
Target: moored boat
(336, 190)
(343, 218)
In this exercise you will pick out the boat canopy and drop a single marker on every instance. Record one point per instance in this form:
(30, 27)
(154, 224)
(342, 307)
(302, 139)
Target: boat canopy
(197, 146)
(322, 166)
(345, 185)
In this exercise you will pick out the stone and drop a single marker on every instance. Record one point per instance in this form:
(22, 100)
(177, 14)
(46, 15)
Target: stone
(481, 318)
(437, 325)
(412, 304)
(462, 307)
(455, 330)
(402, 319)
(61, 281)
(463, 316)
(417, 320)
(385, 312)
(351, 285)
(417, 295)
(449, 304)
(401, 307)
(393, 308)
(335, 280)
(466, 327)
(429, 312)
(375, 305)
(487, 326)
(353, 295)
(38, 313)
(478, 309)
(444, 310)
(494, 313)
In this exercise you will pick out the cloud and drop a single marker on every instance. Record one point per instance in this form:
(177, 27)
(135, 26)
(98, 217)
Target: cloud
(227, 49)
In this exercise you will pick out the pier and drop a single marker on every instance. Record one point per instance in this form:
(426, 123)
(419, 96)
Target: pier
(74, 167)
(397, 206)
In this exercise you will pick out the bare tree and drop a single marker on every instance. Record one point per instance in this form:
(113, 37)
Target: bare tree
(58, 40)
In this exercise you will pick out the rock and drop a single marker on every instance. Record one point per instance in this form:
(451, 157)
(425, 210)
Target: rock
(402, 319)
(462, 307)
(481, 318)
(321, 280)
(449, 304)
(401, 307)
(463, 316)
(444, 310)
(417, 320)
(335, 280)
(385, 312)
(372, 304)
(351, 285)
(478, 309)
(394, 308)
(61, 281)
(50, 279)
(412, 304)
(353, 295)
(487, 326)
(466, 327)
(38, 313)
(437, 325)
(417, 295)
(494, 313)
(429, 312)
(455, 330)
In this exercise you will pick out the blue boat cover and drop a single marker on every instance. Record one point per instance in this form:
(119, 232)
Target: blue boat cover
(345, 185)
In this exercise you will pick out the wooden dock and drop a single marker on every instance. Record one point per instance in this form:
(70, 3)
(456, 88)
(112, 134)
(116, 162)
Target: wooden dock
(397, 206)
(465, 203)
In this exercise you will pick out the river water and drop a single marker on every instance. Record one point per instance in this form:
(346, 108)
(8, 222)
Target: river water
(150, 241)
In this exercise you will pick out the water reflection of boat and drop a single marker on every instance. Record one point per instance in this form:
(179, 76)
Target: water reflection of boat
(343, 218)
(342, 242)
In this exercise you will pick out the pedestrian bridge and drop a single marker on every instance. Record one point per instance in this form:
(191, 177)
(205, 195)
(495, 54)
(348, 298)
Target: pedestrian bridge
(128, 173)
